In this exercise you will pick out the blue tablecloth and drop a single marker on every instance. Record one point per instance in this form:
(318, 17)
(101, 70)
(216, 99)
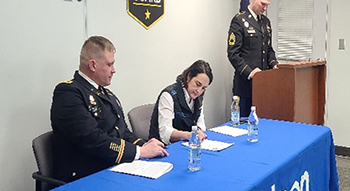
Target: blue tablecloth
(288, 156)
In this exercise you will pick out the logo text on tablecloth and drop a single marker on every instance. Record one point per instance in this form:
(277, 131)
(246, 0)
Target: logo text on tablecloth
(304, 183)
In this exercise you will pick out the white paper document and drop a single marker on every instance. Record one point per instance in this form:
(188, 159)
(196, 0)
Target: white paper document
(227, 130)
(212, 145)
(149, 169)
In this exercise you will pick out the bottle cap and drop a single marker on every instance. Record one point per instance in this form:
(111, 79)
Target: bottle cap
(194, 128)
(253, 108)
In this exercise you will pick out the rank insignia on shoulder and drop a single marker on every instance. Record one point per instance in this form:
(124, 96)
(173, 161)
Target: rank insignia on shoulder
(232, 40)
(66, 82)
(239, 14)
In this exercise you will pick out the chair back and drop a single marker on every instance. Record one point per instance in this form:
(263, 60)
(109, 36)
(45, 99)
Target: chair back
(42, 148)
(140, 120)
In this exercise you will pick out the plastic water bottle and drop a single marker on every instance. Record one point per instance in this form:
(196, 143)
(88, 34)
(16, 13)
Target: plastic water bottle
(235, 115)
(194, 145)
(253, 122)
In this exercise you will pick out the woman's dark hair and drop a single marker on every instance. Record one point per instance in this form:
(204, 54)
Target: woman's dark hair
(198, 67)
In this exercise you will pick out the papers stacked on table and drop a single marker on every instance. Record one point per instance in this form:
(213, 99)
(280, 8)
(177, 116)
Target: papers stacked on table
(212, 145)
(148, 169)
(227, 130)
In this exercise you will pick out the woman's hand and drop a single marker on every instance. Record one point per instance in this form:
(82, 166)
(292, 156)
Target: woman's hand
(202, 135)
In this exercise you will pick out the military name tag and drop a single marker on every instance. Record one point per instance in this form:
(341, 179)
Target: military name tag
(146, 12)
(250, 31)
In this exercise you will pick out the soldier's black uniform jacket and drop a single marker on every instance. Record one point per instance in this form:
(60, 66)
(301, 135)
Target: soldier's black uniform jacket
(184, 118)
(249, 47)
(90, 133)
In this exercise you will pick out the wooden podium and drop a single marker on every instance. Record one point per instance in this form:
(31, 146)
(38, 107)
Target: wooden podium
(293, 92)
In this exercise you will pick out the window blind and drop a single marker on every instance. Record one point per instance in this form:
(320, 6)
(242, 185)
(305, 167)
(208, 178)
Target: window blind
(295, 29)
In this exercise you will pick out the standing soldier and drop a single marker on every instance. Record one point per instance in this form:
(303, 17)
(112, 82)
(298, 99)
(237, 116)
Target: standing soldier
(250, 49)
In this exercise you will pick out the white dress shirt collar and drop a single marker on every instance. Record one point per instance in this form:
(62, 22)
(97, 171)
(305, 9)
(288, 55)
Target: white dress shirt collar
(253, 13)
(88, 79)
(188, 99)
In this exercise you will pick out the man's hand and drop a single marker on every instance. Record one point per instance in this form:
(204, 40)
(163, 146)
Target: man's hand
(256, 70)
(153, 148)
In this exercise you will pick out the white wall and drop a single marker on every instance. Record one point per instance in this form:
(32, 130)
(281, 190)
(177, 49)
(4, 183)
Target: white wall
(338, 88)
(39, 46)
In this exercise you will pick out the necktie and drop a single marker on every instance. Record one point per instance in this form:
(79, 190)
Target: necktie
(260, 23)
(259, 20)
(102, 90)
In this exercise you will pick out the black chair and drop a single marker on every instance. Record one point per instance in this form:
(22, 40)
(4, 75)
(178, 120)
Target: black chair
(42, 148)
(140, 120)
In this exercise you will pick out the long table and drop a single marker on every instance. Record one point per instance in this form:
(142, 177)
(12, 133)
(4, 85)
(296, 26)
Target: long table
(288, 156)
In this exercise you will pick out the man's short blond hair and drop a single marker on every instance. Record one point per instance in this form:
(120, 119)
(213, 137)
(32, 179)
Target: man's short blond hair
(95, 47)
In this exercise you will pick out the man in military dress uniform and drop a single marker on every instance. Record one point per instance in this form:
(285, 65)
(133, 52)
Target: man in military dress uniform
(250, 49)
(90, 133)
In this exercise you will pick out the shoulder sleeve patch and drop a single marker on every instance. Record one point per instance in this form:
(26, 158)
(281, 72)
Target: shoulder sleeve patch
(232, 40)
